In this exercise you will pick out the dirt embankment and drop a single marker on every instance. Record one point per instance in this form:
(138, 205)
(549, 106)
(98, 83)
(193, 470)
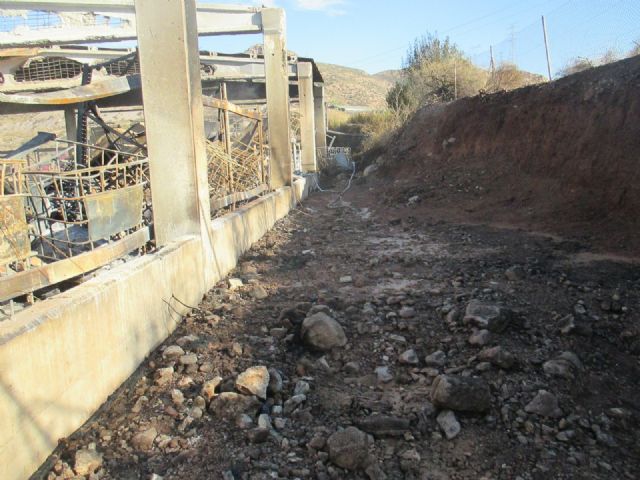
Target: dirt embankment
(561, 157)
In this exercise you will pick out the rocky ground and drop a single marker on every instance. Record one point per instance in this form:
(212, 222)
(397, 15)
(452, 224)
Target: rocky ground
(351, 343)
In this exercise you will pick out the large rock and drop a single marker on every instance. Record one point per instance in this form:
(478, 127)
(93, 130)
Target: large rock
(87, 461)
(384, 425)
(144, 440)
(544, 404)
(566, 365)
(349, 448)
(467, 394)
(230, 404)
(498, 356)
(322, 332)
(492, 317)
(436, 359)
(172, 352)
(449, 424)
(254, 381)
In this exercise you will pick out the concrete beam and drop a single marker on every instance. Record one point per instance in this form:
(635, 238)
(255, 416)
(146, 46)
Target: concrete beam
(212, 19)
(320, 109)
(307, 117)
(275, 59)
(174, 118)
(224, 67)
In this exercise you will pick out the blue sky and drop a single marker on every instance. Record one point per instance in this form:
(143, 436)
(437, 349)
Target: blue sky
(374, 35)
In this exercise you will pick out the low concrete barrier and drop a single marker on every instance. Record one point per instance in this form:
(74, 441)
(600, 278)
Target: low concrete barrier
(62, 358)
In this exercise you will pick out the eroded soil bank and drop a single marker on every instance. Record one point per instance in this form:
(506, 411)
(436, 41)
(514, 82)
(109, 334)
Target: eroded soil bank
(560, 157)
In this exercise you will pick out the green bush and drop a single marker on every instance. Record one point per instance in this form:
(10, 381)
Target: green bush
(434, 71)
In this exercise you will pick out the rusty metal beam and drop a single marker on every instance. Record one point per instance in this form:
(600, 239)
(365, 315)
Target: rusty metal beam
(31, 280)
(230, 107)
(75, 95)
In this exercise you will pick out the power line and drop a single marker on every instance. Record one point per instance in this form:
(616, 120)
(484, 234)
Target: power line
(456, 27)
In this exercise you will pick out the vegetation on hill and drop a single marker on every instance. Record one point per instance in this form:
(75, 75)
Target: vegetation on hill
(350, 86)
(580, 64)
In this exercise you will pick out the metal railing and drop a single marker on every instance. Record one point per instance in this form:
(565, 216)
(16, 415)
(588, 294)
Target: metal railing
(75, 206)
(236, 156)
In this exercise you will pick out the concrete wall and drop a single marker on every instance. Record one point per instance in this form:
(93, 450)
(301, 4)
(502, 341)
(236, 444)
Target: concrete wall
(62, 358)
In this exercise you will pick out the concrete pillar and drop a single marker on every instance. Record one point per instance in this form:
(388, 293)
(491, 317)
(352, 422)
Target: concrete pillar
(70, 123)
(320, 116)
(307, 116)
(174, 119)
(277, 83)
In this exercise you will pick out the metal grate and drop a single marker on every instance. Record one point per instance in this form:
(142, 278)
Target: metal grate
(17, 21)
(75, 207)
(50, 68)
(120, 68)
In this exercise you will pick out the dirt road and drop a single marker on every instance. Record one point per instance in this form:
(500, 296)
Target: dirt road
(517, 347)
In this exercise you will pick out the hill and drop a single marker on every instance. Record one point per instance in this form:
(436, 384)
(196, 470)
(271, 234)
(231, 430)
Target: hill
(350, 86)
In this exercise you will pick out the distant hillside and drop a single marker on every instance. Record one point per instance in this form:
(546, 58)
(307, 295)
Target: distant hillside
(350, 86)
(391, 76)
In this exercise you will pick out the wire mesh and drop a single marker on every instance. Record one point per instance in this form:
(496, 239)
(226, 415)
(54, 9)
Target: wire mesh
(48, 68)
(58, 189)
(17, 21)
(239, 171)
(236, 164)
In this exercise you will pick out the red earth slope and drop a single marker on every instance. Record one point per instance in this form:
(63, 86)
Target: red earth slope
(562, 157)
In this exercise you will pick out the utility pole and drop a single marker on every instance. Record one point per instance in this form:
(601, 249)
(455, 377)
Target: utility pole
(546, 46)
(455, 79)
(493, 63)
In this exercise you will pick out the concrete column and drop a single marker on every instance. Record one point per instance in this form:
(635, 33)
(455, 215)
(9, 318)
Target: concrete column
(174, 119)
(320, 116)
(71, 123)
(307, 116)
(277, 83)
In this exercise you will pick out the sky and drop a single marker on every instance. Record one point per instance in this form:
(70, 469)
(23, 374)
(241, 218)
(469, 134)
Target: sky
(374, 35)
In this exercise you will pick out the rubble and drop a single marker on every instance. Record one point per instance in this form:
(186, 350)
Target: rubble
(388, 395)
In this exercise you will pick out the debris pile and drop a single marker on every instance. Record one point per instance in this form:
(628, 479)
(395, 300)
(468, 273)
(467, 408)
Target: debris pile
(432, 361)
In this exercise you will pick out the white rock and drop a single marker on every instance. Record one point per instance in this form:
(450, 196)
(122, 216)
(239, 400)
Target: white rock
(449, 423)
(384, 375)
(301, 388)
(409, 357)
(264, 421)
(87, 461)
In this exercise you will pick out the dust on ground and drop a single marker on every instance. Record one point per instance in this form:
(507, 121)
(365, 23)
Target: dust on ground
(471, 352)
